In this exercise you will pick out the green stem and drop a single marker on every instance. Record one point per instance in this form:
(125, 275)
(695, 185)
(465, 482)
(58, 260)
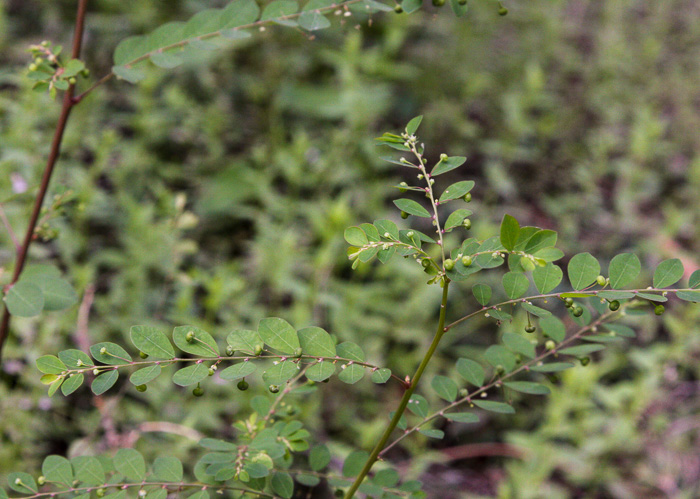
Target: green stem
(406, 397)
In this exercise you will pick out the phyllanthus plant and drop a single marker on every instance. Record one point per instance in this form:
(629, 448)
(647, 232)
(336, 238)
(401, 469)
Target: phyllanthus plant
(272, 453)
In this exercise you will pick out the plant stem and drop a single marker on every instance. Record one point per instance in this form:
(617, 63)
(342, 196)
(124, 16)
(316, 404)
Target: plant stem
(68, 103)
(406, 397)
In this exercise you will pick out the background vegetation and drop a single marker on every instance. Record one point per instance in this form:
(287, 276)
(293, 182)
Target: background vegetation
(217, 193)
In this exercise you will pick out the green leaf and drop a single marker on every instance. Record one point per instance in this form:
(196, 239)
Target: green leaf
(24, 299)
(471, 371)
(57, 469)
(499, 315)
(536, 311)
(668, 273)
(313, 20)
(145, 375)
(88, 470)
(386, 478)
(354, 463)
(166, 60)
(497, 355)
(445, 388)
(449, 164)
(167, 469)
(691, 296)
(418, 405)
(694, 279)
(457, 190)
(351, 373)
(519, 344)
(385, 227)
(110, 354)
(351, 351)
(432, 433)
(412, 208)
(510, 229)
(527, 387)
(355, 236)
(456, 218)
(72, 383)
(490, 405)
(413, 125)
(652, 297)
(190, 375)
(540, 240)
(130, 463)
(49, 364)
(623, 269)
(552, 367)
(460, 10)
(410, 6)
(22, 482)
(616, 295)
(319, 457)
(583, 270)
(462, 417)
(282, 484)
(202, 344)
(320, 371)
(549, 254)
(151, 341)
(238, 371)
(547, 278)
(278, 9)
(104, 381)
(482, 293)
(244, 340)
(75, 359)
(621, 330)
(128, 74)
(317, 342)
(58, 293)
(381, 376)
(279, 334)
(281, 372)
(579, 350)
(219, 445)
(515, 284)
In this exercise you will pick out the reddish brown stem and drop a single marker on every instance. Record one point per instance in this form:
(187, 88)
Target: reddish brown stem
(68, 103)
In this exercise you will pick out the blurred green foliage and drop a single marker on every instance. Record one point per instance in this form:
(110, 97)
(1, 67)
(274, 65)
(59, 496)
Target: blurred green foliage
(216, 194)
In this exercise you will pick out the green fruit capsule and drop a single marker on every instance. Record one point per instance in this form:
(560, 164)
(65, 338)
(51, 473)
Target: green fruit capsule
(530, 329)
(502, 11)
(463, 392)
(568, 302)
(449, 264)
(41, 480)
(291, 410)
(438, 3)
(659, 309)
(600, 280)
(403, 187)
(198, 392)
(500, 369)
(584, 361)
(211, 372)
(143, 355)
(258, 349)
(189, 337)
(614, 305)
(141, 388)
(339, 493)
(425, 262)
(273, 388)
(577, 311)
(100, 492)
(398, 9)
(468, 196)
(298, 352)
(467, 224)
(462, 2)
(242, 385)
(404, 215)
(230, 351)
(550, 345)
(466, 261)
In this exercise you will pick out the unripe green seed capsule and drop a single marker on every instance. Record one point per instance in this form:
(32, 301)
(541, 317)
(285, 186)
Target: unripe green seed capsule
(143, 355)
(211, 372)
(500, 369)
(339, 493)
(403, 186)
(600, 280)
(72, 80)
(41, 480)
(449, 264)
(438, 3)
(230, 351)
(425, 262)
(298, 352)
(568, 302)
(463, 392)
(198, 392)
(242, 385)
(141, 388)
(273, 388)
(550, 345)
(189, 337)
(467, 224)
(398, 9)
(291, 410)
(468, 195)
(462, 2)
(100, 492)
(258, 349)
(577, 311)
(404, 215)
(530, 329)
(502, 11)
(466, 261)
(585, 361)
(614, 305)
(659, 309)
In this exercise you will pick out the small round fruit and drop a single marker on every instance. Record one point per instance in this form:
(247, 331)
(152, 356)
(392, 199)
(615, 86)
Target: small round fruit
(211, 372)
(404, 215)
(585, 361)
(242, 385)
(141, 388)
(530, 329)
(143, 355)
(403, 187)
(550, 345)
(449, 264)
(258, 349)
(298, 352)
(41, 480)
(600, 280)
(100, 492)
(467, 224)
(500, 369)
(568, 302)
(438, 3)
(502, 11)
(291, 410)
(398, 9)
(468, 196)
(425, 262)
(273, 388)
(462, 2)
(198, 392)
(577, 311)
(72, 80)
(466, 261)
(614, 305)
(659, 309)
(189, 337)
(230, 351)
(463, 392)
(339, 493)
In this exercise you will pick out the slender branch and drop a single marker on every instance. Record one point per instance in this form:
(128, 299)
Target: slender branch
(429, 181)
(67, 106)
(406, 397)
(497, 381)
